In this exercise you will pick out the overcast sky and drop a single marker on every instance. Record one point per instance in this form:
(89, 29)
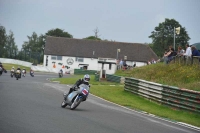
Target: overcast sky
(119, 20)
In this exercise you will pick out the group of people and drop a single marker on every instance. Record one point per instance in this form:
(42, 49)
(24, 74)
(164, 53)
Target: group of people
(190, 51)
(121, 65)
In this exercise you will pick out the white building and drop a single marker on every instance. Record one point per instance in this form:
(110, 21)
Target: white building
(97, 55)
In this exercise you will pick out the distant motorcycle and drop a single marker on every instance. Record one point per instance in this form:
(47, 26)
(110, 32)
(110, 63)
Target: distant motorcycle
(23, 73)
(60, 74)
(76, 97)
(1, 71)
(17, 74)
(12, 73)
(32, 73)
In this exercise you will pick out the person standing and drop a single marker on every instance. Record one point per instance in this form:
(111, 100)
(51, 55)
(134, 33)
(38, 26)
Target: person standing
(188, 53)
(121, 63)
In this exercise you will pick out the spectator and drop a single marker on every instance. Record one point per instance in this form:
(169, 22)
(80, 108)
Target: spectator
(148, 62)
(187, 55)
(124, 65)
(195, 52)
(180, 51)
(121, 63)
(169, 56)
(153, 61)
(188, 52)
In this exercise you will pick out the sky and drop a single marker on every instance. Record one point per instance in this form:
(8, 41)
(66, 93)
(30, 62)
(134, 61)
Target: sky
(119, 20)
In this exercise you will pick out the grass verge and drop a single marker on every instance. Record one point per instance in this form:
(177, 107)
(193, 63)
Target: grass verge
(9, 66)
(182, 76)
(117, 95)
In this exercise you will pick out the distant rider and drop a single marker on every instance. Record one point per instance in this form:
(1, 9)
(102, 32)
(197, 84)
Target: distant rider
(31, 72)
(1, 65)
(12, 69)
(24, 70)
(18, 68)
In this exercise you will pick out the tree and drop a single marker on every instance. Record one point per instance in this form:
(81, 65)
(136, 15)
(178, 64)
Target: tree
(2, 41)
(58, 33)
(96, 31)
(10, 45)
(33, 48)
(95, 37)
(163, 36)
(92, 38)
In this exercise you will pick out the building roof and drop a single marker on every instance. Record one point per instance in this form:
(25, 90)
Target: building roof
(62, 46)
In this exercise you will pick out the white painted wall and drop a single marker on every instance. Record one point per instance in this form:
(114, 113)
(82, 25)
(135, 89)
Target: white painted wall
(14, 61)
(92, 62)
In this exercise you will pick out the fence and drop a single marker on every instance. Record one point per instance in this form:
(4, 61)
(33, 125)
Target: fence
(113, 78)
(195, 60)
(168, 95)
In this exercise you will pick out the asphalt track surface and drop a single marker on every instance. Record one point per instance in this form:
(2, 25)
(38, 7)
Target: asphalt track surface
(32, 105)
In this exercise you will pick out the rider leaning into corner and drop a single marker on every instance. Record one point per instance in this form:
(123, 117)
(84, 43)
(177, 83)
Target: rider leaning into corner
(12, 69)
(85, 81)
(1, 65)
(18, 68)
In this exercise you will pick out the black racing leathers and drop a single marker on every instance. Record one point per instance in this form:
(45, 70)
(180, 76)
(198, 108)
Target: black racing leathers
(76, 85)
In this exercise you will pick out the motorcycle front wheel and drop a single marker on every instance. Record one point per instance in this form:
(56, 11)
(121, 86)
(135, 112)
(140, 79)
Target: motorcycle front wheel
(63, 104)
(76, 102)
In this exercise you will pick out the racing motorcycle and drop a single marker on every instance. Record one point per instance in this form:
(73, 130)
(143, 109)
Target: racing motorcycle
(60, 74)
(23, 73)
(17, 74)
(12, 73)
(76, 97)
(1, 71)
(32, 73)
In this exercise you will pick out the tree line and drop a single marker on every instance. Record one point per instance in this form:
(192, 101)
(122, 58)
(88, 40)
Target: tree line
(33, 49)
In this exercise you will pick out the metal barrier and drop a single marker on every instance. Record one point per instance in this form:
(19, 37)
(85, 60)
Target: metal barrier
(97, 77)
(168, 95)
(113, 78)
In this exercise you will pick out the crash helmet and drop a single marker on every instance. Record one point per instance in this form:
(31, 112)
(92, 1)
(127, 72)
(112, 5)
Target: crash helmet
(86, 78)
(13, 67)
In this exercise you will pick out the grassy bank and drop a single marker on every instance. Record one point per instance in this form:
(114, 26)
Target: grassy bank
(181, 76)
(117, 95)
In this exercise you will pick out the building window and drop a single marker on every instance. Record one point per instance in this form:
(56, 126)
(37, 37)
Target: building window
(78, 59)
(53, 57)
(59, 57)
(56, 57)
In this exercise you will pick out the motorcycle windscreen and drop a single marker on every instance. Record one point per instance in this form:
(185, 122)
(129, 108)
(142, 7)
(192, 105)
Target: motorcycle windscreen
(84, 89)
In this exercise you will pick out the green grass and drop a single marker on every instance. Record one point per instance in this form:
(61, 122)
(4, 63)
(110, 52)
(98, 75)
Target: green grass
(9, 66)
(181, 76)
(76, 77)
(117, 95)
